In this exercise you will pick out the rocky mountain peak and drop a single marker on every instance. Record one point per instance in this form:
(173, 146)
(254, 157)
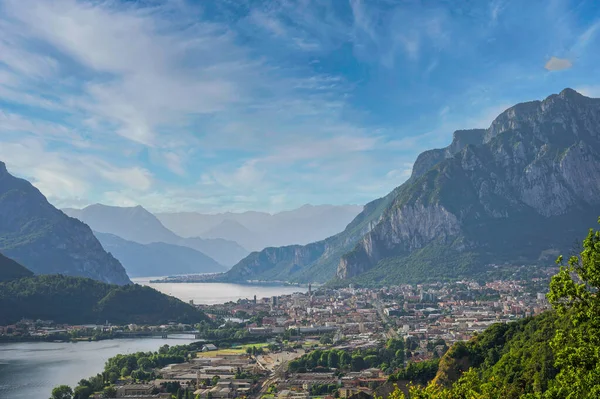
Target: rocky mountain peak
(46, 241)
(544, 120)
(535, 171)
(571, 94)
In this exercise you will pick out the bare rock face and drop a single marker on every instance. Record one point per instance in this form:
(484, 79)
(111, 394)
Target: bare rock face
(537, 161)
(510, 193)
(45, 240)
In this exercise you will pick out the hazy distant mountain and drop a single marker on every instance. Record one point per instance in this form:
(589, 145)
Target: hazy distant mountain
(131, 223)
(258, 230)
(519, 192)
(235, 231)
(11, 270)
(158, 258)
(45, 240)
(138, 225)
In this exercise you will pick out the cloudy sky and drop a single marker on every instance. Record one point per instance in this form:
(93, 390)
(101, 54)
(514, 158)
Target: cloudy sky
(266, 105)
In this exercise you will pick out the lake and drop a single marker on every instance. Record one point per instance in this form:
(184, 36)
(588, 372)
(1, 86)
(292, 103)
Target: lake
(212, 293)
(31, 369)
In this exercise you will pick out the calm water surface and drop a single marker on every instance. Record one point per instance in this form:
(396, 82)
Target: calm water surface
(30, 370)
(211, 293)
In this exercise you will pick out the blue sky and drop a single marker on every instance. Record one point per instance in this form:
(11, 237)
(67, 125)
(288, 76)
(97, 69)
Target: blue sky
(266, 105)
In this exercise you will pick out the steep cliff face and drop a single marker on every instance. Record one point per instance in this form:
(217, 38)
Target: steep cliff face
(315, 262)
(45, 240)
(460, 139)
(534, 170)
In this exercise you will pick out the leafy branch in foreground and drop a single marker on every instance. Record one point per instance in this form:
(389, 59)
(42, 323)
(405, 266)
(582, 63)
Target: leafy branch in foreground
(551, 356)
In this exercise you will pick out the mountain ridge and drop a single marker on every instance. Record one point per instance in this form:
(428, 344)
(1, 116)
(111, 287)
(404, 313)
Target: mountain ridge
(157, 258)
(139, 225)
(46, 241)
(536, 163)
(258, 230)
(428, 237)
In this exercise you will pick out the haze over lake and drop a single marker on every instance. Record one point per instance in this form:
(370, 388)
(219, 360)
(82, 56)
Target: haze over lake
(213, 293)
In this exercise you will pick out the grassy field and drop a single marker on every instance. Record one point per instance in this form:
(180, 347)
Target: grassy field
(238, 351)
(262, 345)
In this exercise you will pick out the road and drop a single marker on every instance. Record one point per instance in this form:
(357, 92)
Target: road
(391, 333)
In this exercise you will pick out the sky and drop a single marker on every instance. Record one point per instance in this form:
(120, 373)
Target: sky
(237, 105)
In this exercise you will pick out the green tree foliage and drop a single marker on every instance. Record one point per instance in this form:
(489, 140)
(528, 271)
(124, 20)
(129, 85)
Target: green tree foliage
(418, 373)
(62, 392)
(387, 357)
(333, 359)
(358, 363)
(109, 392)
(78, 300)
(551, 356)
(138, 366)
(574, 294)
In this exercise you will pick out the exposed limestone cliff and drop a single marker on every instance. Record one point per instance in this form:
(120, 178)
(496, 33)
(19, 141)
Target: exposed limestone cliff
(537, 161)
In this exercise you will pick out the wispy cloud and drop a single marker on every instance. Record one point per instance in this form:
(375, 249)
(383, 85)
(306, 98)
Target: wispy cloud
(239, 105)
(558, 64)
(589, 91)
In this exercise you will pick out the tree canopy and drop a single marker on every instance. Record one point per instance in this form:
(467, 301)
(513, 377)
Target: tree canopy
(551, 356)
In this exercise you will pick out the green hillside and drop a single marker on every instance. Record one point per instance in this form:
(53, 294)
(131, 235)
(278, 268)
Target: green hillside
(77, 300)
(11, 270)
(554, 355)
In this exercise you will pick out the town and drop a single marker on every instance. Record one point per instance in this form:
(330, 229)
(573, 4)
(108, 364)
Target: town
(295, 346)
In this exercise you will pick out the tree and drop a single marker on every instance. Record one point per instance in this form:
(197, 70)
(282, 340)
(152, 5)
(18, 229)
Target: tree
(333, 359)
(109, 392)
(144, 363)
(358, 363)
(345, 359)
(62, 392)
(574, 294)
(372, 360)
(326, 340)
(82, 392)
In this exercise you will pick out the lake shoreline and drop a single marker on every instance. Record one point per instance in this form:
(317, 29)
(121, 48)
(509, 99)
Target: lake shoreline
(213, 293)
(32, 369)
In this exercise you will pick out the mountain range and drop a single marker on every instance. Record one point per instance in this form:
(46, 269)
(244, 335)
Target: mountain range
(518, 192)
(257, 230)
(138, 225)
(46, 241)
(157, 258)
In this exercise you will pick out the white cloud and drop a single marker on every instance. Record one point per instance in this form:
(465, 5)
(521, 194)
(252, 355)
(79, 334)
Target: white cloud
(60, 175)
(246, 177)
(558, 64)
(174, 162)
(147, 83)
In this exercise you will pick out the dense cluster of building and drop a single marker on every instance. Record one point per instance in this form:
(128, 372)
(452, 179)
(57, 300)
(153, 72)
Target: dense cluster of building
(426, 312)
